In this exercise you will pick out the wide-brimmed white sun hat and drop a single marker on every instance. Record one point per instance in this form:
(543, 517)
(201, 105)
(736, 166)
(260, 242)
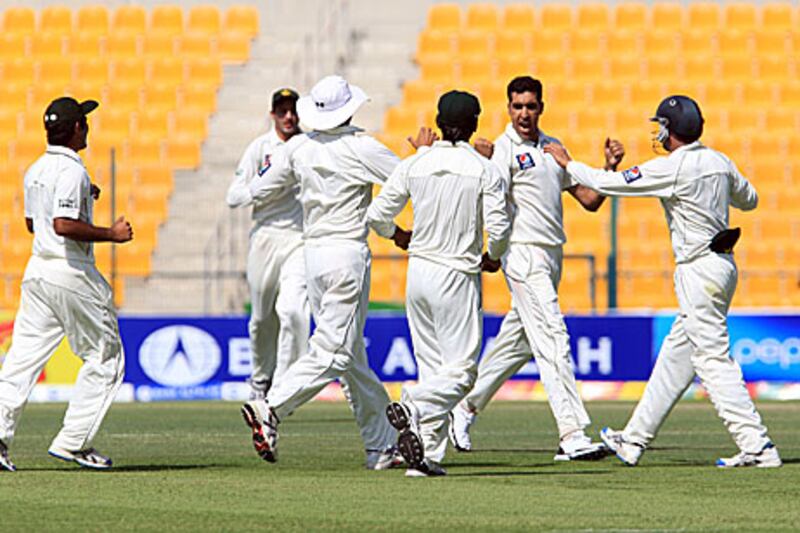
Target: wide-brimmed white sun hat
(332, 101)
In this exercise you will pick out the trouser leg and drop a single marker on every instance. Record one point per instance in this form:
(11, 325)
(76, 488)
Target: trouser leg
(263, 271)
(294, 313)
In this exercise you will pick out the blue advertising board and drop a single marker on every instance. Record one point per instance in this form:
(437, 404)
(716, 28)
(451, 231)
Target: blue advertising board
(208, 358)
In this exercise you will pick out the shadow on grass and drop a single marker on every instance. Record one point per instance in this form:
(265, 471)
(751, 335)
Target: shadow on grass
(131, 468)
(520, 473)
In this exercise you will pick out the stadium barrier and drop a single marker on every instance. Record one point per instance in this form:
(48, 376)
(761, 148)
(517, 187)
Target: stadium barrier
(180, 358)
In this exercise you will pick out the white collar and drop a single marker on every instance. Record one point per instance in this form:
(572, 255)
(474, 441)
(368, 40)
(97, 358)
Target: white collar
(516, 139)
(63, 150)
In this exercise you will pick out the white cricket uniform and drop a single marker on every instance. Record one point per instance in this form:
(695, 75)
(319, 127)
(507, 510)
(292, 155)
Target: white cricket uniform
(280, 317)
(336, 170)
(63, 294)
(532, 266)
(695, 185)
(453, 191)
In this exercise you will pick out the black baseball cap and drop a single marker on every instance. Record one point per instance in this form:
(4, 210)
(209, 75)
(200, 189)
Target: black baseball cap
(284, 95)
(459, 108)
(67, 111)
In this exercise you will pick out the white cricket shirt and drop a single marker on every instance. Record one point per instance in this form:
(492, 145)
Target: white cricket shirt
(535, 182)
(453, 191)
(283, 210)
(695, 184)
(336, 170)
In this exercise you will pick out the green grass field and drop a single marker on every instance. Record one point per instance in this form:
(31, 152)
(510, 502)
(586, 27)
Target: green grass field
(190, 466)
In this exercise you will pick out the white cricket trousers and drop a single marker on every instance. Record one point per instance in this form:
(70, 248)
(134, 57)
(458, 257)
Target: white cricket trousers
(533, 326)
(698, 343)
(280, 316)
(338, 274)
(47, 313)
(446, 323)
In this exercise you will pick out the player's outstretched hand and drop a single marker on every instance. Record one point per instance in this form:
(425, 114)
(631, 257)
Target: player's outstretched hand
(614, 152)
(485, 147)
(425, 137)
(95, 190)
(121, 230)
(559, 153)
(401, 238)
(488, 264)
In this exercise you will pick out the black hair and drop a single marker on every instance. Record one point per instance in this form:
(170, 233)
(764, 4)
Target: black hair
(525, 84)
(61, 134)
(454, 133)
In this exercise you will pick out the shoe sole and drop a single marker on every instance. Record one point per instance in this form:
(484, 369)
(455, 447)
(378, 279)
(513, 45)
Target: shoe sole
(260, 443)
(8, 467)
(410, 446)
(398, 416)
(80, 462)
(452, 434)
(600, 453)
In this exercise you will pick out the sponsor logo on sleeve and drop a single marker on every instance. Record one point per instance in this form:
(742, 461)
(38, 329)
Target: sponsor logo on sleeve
(68, 203)
(632, 174)
(264, 166)
(525, 161)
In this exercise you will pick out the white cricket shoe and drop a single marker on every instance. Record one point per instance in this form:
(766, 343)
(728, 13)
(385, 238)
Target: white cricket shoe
(260, 417)
(578, 447)
(426, 468)
(767, 458)
(384, 459)
(627, 452)
(5, 462)
(405, 419)
(460, 421)
(88, 458)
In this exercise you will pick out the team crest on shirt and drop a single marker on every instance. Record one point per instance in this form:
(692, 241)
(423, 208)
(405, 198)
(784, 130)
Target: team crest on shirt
(525, 161)
(632, 174)
(264, 166)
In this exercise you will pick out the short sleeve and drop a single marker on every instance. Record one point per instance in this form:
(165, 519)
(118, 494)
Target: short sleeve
(68, 194)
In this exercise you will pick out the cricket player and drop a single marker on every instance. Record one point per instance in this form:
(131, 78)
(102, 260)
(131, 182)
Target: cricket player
(456, 193)
(336, 166)
(696, 186)
(63, 294)
(276, 274)
(532, 267)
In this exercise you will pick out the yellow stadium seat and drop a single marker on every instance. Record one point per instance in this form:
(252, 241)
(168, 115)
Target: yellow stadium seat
(667, 16)
(123, 96)
(768, 42)
(113, 122)
(183, 152)
(419, 93)
(473, 70)
(31, 120)
(780, 120)
(697, 42)
(551, 43)
(44, 92)
(625, 68)
(199, 98)
(144, 150)
(469, 43)
(233, 48)
(25, 149)
(157, 44)
(92, 20)
(203, 71)
(722, 93)
(55, 19)
(510, 67)
(775, 69)
(444, 17)
(166, 70)
(189, 124)
(121, 45)
(84, 45)
(493, 94)
(571, 94)
(129, 19)
(630, 16)
(593, 118)
(482, 17)
(128, 71)
(741, 16)
(593, 16)
(588, 68)
(155, 175)
(134, 259)
(518, 17)
(166, 19)
(704, 16)
(646, 94)
(436, 68)
(54, 71)
(758, 93)
(19, 20)
(13, 95)
(741, 120)
(13, 46)
(204, 19)
(496, 298)
(47, 45)
(556, 17)
(150, 123)
(583, 42)
(396, 143)
(91, 70)
(242, 19)
(19, 71)
(788, 93)
(159, 96)
(513, 43)
(733, 42)
(700, 68)
(777, 16)
(623, 43)
(661, 43)
(196, 45)
(632, 120)
(435, 42)
(548, 69)
(401, 121)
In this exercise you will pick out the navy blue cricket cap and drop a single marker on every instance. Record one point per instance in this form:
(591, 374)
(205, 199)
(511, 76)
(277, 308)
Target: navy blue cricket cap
(67, 111)
(459, 108)
(683, 116)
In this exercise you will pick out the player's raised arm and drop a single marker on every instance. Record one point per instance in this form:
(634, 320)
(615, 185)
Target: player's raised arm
(278, 173)
(239, 191)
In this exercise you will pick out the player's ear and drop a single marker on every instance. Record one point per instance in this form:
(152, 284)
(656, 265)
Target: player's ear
(541, 107)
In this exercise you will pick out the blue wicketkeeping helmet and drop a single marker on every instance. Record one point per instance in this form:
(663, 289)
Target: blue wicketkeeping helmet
(679, 115)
